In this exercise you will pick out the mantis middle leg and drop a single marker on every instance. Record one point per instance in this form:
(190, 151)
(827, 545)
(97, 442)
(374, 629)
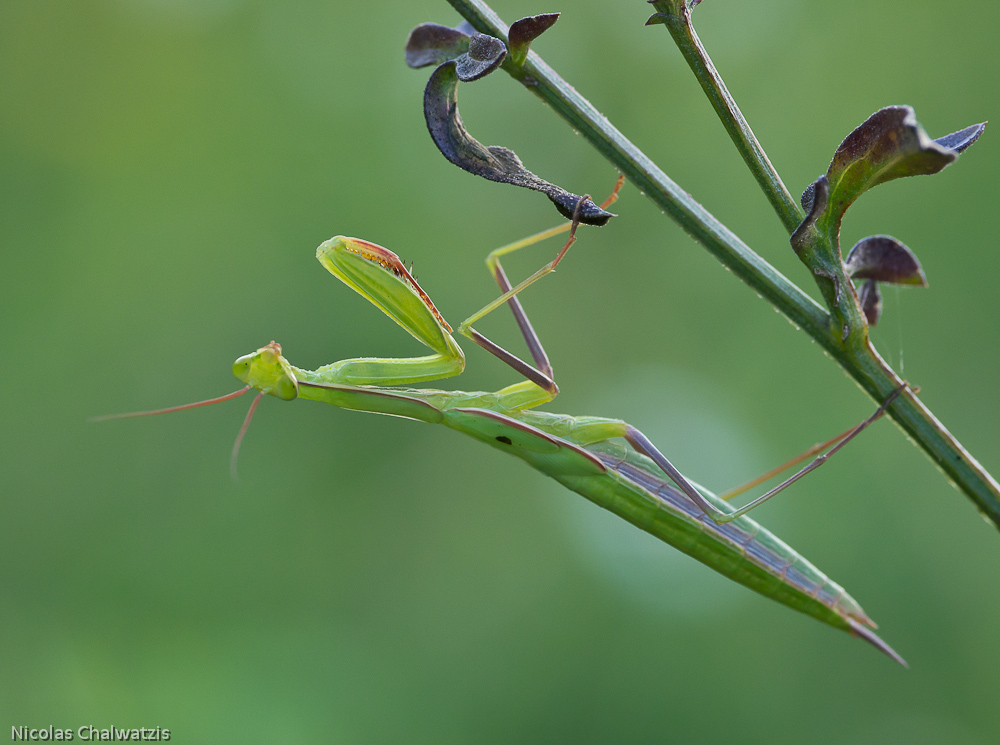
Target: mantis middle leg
(541, 373)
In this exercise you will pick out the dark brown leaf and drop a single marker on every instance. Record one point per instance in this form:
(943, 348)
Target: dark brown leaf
(871, 301)
(961, 139)
(432, 44)
(494, 162)
(884, 259)
(526, 30)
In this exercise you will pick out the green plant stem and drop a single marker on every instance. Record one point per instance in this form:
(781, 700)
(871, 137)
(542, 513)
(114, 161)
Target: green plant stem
(682, 31)
(860, 361)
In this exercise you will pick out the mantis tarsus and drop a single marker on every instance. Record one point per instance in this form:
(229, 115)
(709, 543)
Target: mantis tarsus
(582, 453)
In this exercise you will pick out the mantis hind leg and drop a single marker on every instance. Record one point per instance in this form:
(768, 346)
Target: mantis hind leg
(642, 444)
(541, 373)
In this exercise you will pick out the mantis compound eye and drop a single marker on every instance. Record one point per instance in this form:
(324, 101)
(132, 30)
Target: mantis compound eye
(241, 368)
(286, 388)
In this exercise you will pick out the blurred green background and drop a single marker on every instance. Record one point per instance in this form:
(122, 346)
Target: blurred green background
(167, 168)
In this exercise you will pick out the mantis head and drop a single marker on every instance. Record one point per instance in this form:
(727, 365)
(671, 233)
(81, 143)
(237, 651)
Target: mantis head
(268, 372)
(265, 370)
(378, 275)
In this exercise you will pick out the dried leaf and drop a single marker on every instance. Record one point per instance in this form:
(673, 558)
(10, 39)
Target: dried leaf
(485, 55)
(815, 200)
(474, 54)
(494, 162)
(884, 259)
(808, 195)
(432, 44)
(891, 144)
(524, 31)
(668, 9)
(871, 301)
(960, 140)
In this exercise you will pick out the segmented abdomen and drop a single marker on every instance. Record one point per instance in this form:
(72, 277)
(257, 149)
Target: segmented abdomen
(743, 536)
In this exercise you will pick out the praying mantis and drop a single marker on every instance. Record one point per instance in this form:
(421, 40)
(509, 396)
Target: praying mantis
(584, 453)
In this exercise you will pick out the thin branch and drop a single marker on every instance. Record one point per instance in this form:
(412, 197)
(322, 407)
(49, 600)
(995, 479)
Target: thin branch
(862, 363)
(683, 33)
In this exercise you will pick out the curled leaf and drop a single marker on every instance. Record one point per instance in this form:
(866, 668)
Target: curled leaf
(432, 44)
(474, 54)
(815, 200)
(882, 258)
(871, 301)
(524, 31)
(670, 10)
(961, 139)
(890, 144)
(808, 195)
(484, 54)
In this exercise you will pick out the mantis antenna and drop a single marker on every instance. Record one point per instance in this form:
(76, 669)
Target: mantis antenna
(239, 438)
(171, 409)
(207, 402)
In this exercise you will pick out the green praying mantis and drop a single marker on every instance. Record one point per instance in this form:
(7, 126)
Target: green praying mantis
(607, 461)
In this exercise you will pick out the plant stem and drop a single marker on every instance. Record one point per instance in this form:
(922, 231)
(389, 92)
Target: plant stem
(683, 33)
(861, 361)
(543, 81)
